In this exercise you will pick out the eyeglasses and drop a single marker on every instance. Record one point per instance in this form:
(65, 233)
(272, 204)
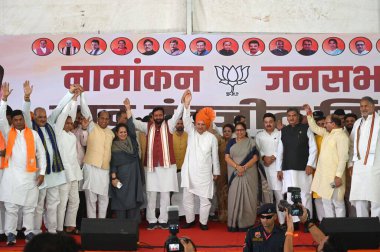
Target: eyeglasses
(268, 217)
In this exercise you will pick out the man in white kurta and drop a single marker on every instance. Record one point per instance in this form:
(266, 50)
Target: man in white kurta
(19, 188)
(68, 192)
(159, 163)
(331, 165)
(200, 167)
(296, 158)
(365, 160)
(266, 143)
(49, 192)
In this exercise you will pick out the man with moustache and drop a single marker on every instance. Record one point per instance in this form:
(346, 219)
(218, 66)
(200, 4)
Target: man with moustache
(159, 162)
(365, 160)
(201, 48)
(266, 143)
(280, 51)
(148, 46)
(306, 48)
(349, 120)
(296, 157)
(254, 48)
(174, 50)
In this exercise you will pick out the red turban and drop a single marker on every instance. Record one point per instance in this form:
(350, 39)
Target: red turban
(207, 115)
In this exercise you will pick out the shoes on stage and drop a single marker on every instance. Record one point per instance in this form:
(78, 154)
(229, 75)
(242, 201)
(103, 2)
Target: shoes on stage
(213, 218)
(189, 225)
(29, 237)
(163, 225)
(152, 226)
(203, 227)
(11, 239)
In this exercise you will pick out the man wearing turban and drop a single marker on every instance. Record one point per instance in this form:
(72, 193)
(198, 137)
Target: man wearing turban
(201, 164)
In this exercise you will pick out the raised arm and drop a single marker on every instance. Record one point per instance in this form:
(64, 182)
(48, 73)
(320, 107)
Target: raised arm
(60, 123)
(63, 102)
(188, 124)
(312, 125)
(28, 89)
(177, 113)
(139, 125)
(131, 126)
(85, 110)
(4, 125)
(313, 151)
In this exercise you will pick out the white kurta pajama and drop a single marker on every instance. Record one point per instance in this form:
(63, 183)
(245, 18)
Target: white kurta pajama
(365, 185)
(96, 181)
(18, 188)
(160, 179)
(266, 144)
(68, 192)
(200, 165)
(49, 191)
(294, 178)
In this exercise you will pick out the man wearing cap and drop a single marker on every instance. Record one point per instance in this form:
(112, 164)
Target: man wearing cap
(201, 165)
(267, 236)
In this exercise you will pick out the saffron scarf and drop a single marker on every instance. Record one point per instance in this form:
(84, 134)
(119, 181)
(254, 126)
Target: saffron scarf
(2, 148)
(30, 149)
(57, 165)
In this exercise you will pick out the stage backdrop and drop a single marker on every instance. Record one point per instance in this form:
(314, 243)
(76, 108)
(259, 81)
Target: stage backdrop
(235, 74)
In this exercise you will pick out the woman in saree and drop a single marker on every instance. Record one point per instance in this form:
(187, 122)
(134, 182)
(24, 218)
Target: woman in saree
(241, 157)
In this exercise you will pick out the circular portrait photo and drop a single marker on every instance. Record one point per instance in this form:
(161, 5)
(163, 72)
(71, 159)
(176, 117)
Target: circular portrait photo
(280, 46)
(333, 46)
(69, 46)
(307, 46)
(43, 46)
(95, 46)
(360, 46)
(174, 46)
(148, 46)
(227, 46)
(378, 45)
(253, 46)
(121, 46)
(200, 46)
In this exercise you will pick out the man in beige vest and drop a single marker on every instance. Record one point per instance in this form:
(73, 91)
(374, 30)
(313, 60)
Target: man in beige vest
(97, 162)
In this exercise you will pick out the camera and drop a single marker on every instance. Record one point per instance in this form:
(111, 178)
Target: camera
(296, 208)
(173, 243)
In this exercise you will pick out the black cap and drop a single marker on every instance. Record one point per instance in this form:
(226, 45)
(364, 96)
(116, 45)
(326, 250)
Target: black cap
(339, 112)
(318, 114)
(267, 208)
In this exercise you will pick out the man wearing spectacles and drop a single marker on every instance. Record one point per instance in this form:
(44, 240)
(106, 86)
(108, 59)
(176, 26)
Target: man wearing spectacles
(267, 236)
(360, 47)
(329, 178)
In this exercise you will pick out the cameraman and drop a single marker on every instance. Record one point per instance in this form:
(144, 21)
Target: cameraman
(267, 236)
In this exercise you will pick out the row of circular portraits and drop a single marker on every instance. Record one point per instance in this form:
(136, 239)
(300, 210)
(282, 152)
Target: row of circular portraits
(201, 46)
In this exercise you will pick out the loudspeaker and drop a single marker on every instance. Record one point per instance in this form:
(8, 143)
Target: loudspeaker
(355, 233)
(109, 234)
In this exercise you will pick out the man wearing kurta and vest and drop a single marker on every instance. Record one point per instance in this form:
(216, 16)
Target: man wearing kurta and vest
(55, 175)
(365, 165)
(96, 174)
(159, 162)
(22, 173)
(296, 157)
(329, 178)
(201, 165)
(266, 143)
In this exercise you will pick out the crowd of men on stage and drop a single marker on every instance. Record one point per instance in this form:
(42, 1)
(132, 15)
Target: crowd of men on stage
(47, 160)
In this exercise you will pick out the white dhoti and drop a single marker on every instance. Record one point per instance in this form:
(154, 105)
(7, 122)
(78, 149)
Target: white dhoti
(68, 206)
(11, 216)
(334, 207)
(51, 195)
(96, 184)
(189, 207)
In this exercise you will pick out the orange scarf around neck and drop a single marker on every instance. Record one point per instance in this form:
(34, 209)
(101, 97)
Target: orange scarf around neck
(30, 149)
(2, 148)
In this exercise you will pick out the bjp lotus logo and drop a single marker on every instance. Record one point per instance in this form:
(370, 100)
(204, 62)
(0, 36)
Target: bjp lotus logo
(232, 76)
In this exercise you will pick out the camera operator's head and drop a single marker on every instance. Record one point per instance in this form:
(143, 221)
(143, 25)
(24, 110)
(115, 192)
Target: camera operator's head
(268, 216)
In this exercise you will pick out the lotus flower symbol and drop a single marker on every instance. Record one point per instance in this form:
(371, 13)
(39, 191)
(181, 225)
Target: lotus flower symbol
(232, 76)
